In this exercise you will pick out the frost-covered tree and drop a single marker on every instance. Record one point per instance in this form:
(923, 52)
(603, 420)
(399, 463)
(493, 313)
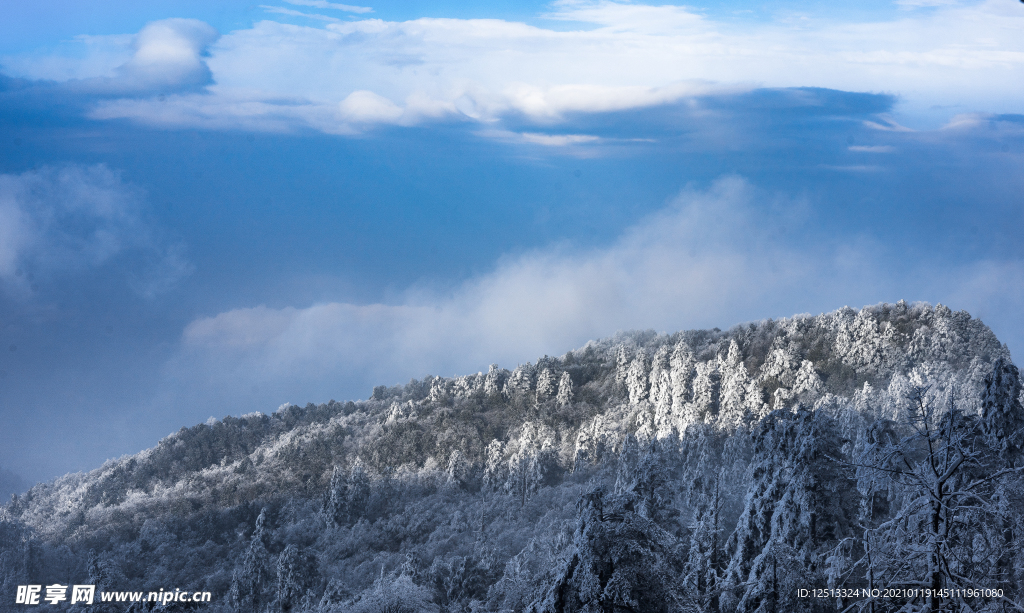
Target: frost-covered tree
(943, 528)
(393, 594)
(1002, 413)
(250, 584)
(547, 385)
(636, 379)
(735, 381)
(638, 415)
(297, 574)
(796, 511)
(620, 560)
(348, 494)
(522, 380)
(706, 389)
(565, 393)
(526, 463)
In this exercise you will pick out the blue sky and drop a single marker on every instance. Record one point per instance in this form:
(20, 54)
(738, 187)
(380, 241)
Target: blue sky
(216, 210)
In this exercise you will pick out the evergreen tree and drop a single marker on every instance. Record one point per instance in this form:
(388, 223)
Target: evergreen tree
(297, 574)
(565, 393)
(795, 512)
(547, 385)
(621, 561)
(250, 581)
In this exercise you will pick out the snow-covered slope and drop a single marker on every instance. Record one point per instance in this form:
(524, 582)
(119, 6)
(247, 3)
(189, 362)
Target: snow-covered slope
(732, 465)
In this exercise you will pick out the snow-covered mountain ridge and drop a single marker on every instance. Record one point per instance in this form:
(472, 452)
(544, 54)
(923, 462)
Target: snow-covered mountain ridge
(487, 492)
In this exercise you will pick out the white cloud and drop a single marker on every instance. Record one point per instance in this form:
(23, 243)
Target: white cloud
(293, 13)
(56, 220)
(365, 106)
(916, 4)
(82, 57)
(166, 55)
(558, 140)
(871, 148)
(280, 76)
(546, 140)
(323, 4)
(712, 258)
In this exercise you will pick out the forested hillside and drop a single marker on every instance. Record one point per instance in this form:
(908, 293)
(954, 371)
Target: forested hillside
(876, 452)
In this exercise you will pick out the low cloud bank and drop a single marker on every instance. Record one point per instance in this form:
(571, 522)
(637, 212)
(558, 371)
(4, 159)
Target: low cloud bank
(718, 257)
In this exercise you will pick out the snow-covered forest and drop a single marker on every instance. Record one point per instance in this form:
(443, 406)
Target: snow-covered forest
(872, 458)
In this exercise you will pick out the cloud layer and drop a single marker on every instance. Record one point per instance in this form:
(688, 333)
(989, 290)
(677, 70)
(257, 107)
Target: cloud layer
(712, 258)
(344, 76)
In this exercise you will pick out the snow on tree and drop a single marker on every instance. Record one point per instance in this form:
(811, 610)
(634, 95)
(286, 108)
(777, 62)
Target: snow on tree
(735, 383)
(531, 451)
(297, 573)
(494, 380)
(622, 364)
(637, 415)
(495, 468)
(620, 560)
(520, 382)
(942, 527)
(661, 392)
(524, 576)
(347, 495)
(394, 594)
(706, 388)
(807, 386)
(794, 512)
(637, 384)
(565, 393)
(1002, 413)
(16, 544)
(440, 391)
(458, 471)
(251, 580)
(681, 363)
(547, 385)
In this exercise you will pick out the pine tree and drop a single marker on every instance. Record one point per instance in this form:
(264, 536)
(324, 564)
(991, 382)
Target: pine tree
(1002, 413)
(704, 560)
(565, 393)
(250, 581)
(547, 385)
(525, 470)
(621, 561)
(795, 512)
(732, 412)
(681, 364)
(348, 495)
(297, 574)
(637, 383)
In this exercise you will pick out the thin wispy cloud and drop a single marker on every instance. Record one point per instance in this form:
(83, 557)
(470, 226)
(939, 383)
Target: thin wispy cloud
(68, 219)
(280, 10)
(917, 4)
(323, 4)
(872, 148)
